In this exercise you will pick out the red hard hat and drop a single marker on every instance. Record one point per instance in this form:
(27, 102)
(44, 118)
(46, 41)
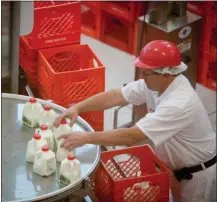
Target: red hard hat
(158, 54)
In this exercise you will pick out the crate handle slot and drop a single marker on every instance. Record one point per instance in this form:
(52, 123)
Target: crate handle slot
(95, 63)
(116, 21)
(122, 157)
(63, 55)
(157, 166)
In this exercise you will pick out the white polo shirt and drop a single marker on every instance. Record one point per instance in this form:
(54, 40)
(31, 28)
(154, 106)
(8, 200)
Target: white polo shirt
(176, 122)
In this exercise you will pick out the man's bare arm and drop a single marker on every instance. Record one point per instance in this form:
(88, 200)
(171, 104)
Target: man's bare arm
(122, 136)
(102, 101)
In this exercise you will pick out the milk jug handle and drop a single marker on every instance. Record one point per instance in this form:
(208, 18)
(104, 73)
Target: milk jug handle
(70, 165)
(31, 106)
(38, 155)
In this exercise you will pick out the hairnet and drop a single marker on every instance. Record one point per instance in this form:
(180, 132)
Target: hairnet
(172, 70)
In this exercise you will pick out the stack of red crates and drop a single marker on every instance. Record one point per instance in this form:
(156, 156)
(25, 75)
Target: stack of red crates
(56, 65)
(114, 23)
(55, 24)
(119, 24)
(208, 59)
(91, 18)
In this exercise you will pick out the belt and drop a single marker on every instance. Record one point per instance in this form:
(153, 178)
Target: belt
(186, 173)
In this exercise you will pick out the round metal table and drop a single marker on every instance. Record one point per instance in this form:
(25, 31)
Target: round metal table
(19, 182)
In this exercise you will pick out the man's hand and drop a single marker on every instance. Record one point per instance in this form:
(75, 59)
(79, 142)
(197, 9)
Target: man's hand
(71, 113)
(121, 136)
(74, 140)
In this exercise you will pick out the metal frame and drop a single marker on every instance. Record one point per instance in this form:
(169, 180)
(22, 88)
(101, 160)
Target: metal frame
(15, 33)
(115, 123)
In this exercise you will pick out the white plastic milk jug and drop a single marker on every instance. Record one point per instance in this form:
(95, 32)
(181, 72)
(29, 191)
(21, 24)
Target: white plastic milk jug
(33, 146)
(63, 128)
(47, 117)
(45, 162)
(47, 134)
(62, 153)
(31, 112)
(70, 170)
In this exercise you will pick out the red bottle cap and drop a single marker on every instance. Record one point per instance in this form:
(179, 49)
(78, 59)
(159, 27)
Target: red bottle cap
(32, 100)
(37, 136)
(45, 148)
(47, 107)
(43, 127)
(63, 121)
(70, 157)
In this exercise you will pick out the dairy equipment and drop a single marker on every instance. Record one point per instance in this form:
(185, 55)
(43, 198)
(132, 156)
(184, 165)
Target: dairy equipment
(19, 182)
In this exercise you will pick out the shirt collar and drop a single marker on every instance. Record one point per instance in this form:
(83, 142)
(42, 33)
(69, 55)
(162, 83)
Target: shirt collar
(175, 83)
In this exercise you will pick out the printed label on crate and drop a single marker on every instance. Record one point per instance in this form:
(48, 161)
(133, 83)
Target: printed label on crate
(55, 40)
(185, 32)
(185, 46)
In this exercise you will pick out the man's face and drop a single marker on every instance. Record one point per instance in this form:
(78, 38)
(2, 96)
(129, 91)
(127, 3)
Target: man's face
(153, 80)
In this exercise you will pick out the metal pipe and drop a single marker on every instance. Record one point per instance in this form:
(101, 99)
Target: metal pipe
(15, 32)
(29, 92)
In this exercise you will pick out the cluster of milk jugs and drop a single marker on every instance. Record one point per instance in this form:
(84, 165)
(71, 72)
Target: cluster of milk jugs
(45, 149)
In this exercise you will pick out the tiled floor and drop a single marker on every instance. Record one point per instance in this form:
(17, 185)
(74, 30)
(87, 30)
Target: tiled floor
(120, 70)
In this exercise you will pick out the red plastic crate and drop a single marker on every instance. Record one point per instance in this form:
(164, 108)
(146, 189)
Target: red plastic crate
(55, 23)
(135, 39)
(117, 175)
(200, 68)
(207, 70)
(95, 119)
(25, 46)
(127, 10)
(28, 61)
(211, 8)
(70, 74)
(210, 34)
(93, 4)
(202, 8)
(196, 7)
(117, 32)
(91, 19)
(210, 63)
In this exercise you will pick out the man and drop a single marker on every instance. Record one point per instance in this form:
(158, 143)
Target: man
(177, 124)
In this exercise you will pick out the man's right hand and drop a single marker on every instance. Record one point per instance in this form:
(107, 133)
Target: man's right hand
(71, 113)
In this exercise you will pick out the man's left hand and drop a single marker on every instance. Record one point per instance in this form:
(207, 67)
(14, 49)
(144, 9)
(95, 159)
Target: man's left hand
(74, 140)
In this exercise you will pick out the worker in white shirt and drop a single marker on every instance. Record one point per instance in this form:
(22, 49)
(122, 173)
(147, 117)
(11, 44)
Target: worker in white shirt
(176, 122)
